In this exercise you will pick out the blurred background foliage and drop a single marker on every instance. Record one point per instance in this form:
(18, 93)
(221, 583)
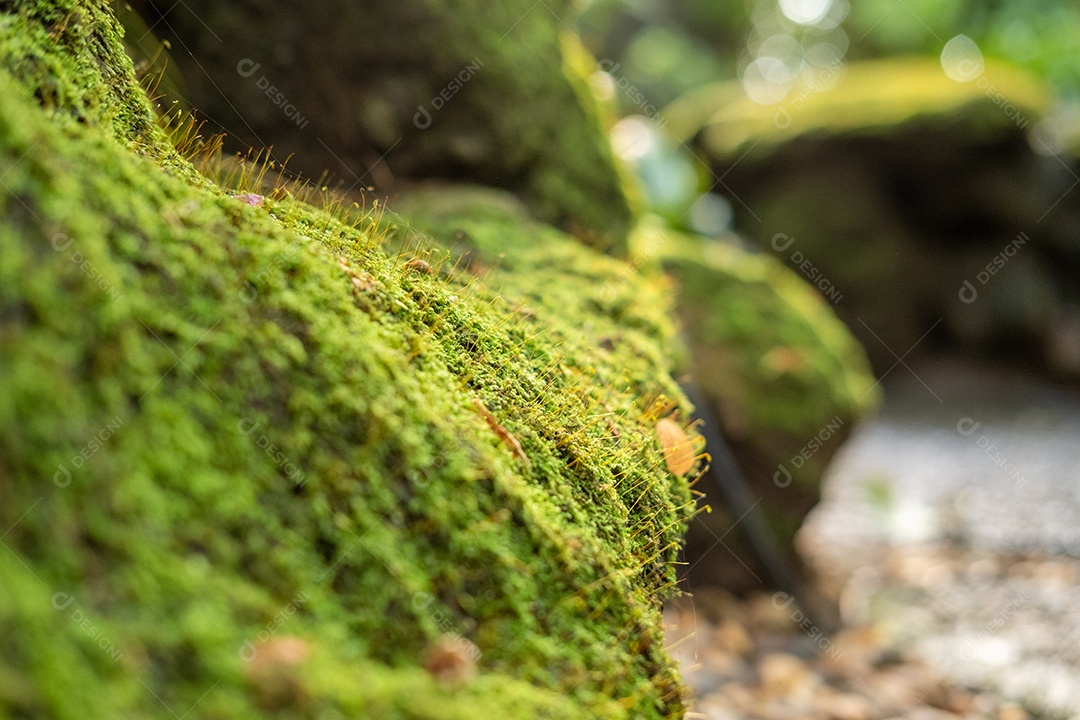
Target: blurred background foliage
(656, 51)
(903, 143)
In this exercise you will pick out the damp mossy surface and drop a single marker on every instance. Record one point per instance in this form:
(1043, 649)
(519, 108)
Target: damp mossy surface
(224, 426)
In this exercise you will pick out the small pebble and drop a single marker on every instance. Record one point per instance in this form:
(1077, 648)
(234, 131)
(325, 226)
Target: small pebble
(733, 637)
(783, 674)
(421, 266)
(1011, 711)
(451, 660)
(846, 706)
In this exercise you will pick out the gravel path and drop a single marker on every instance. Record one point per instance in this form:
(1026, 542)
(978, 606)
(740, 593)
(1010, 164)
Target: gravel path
(749, 660)
(950, 533)
(976, 460)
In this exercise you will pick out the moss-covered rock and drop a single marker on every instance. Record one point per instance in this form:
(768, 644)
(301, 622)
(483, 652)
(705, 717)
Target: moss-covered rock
(491, 93)
(912, 195)
(773, 359)
(255, 464)
(868, 98)
(782, 372)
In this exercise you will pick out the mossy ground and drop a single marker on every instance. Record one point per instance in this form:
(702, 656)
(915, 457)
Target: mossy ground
(219, 420)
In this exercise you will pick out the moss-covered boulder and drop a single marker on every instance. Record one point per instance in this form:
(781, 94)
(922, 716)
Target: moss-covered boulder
(782, 373)
(916, 202)
(384, 91)
(259, 460)
(871, 98)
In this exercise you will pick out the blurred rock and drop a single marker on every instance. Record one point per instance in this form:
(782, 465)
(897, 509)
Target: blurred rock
(733, 637)
(1011, 711)
(785, 675)
(845, 706)
(931, 207)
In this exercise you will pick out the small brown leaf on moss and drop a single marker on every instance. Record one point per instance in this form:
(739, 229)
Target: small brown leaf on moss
(420, 266)
(678, 449)
(613, 429)
(503, 433)
(451, 660)
(784, 360)
(361, 281)
(273, 667)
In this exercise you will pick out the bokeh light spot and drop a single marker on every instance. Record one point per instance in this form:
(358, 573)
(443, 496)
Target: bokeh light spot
(805, 12)
(961, 59)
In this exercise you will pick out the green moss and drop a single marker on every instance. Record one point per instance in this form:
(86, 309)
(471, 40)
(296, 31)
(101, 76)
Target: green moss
(218, 420)
(868, 97)
(93, 90)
